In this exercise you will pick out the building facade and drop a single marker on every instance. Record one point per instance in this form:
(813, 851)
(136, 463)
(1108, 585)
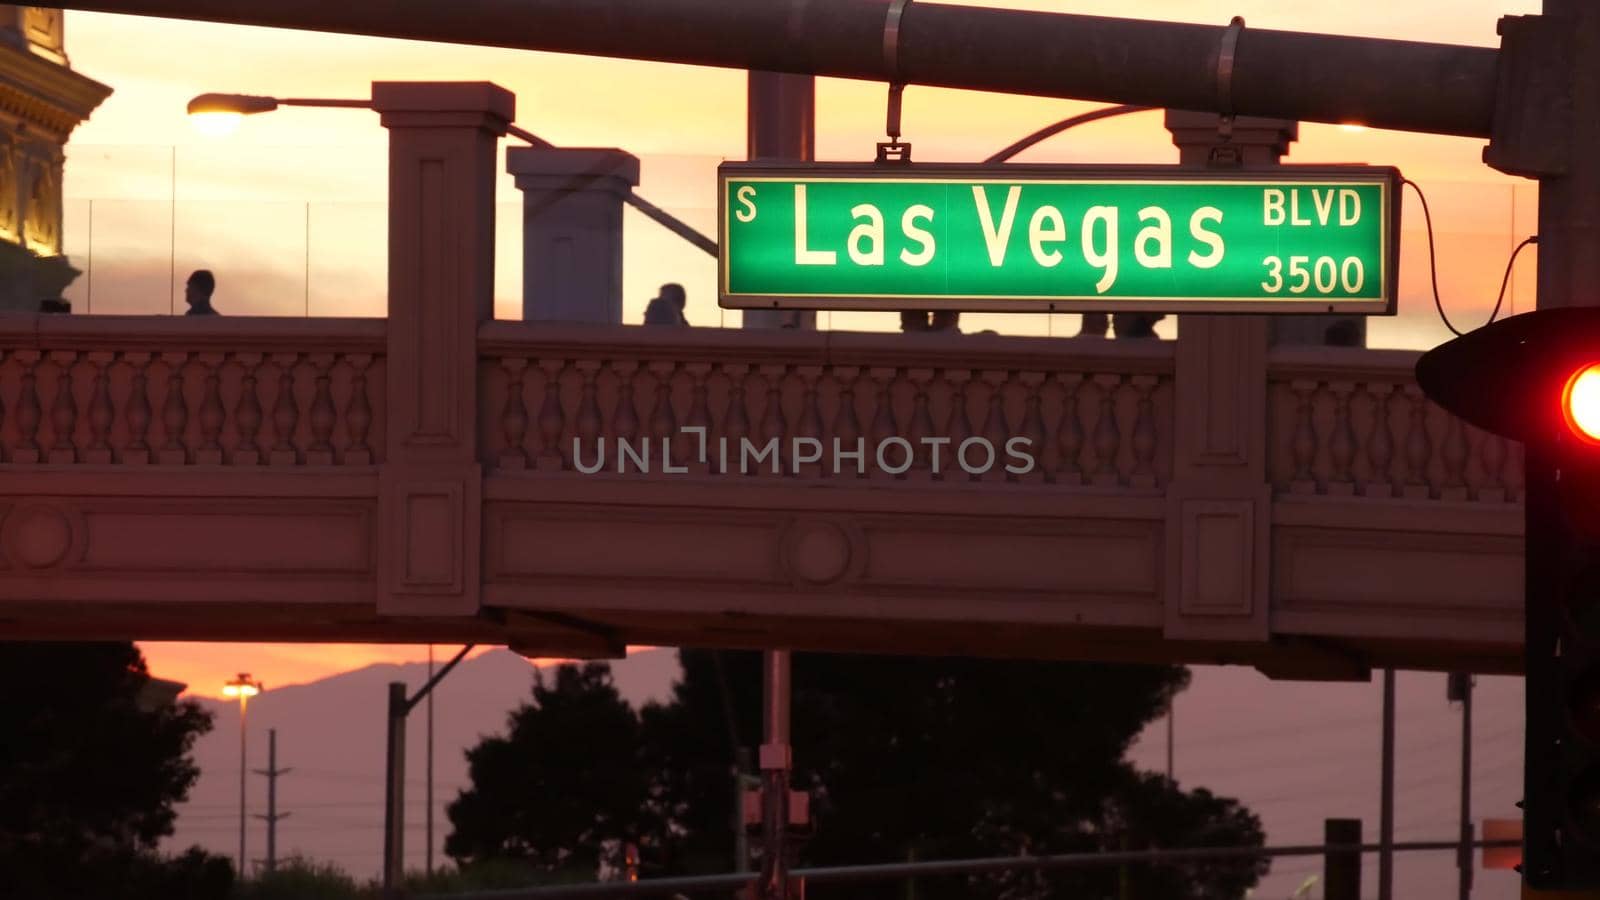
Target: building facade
(41, 101)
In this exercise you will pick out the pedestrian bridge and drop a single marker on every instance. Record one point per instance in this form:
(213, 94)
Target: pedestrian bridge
(1211, 499)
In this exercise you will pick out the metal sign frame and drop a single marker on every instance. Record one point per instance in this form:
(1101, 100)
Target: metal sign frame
(1387, 177)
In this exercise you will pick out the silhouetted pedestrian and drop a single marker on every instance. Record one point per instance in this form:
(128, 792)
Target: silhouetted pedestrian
(1136, 325)
(666, 308)
(197, 293)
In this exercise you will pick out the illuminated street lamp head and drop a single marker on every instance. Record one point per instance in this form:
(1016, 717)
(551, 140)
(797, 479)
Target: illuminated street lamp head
(219, 115)
(241, 687)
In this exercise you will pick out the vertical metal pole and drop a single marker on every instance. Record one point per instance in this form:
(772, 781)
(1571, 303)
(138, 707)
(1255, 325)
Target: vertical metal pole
(272, 799)
(741, 835)
(1172, 712)
(1341, 870)
(172, 293)
(775, 762)
(88, 272)
(244, 705)
(1386, 800)
(394, 797)
(781, 124)
(428, 788)
(1464, 855)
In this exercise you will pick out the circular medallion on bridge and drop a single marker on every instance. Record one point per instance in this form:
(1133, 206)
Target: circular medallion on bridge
(820, 551)
(36, 536)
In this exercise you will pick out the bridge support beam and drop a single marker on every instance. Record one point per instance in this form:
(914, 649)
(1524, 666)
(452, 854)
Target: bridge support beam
(442, 165)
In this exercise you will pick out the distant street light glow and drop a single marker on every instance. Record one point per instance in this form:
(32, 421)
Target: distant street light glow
(216, 124)
(1580, 403)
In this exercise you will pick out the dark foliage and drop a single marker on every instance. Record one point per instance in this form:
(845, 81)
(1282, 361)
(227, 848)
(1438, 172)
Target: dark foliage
(90, 769)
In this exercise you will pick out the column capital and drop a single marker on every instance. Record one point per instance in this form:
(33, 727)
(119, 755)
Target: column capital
(573, 169)
(453, 104)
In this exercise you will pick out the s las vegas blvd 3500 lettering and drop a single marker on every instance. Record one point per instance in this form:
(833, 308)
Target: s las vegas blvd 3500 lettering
(1149, 238)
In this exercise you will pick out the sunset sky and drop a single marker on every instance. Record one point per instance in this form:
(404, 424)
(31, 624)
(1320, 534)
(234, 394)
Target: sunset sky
(289, 209)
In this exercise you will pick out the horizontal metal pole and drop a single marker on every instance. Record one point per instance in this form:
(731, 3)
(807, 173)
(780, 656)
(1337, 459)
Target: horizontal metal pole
(888, 871)
(1439, 88)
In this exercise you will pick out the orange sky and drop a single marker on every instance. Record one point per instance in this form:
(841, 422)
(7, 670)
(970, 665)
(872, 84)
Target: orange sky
(244, 202)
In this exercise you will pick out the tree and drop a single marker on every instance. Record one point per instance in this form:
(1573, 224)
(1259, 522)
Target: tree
(89, 775)
(563, 788)
(910, 758)
(903, 759)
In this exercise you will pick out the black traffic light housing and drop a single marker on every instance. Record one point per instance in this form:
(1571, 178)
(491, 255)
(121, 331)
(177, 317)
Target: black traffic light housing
(1515, 378)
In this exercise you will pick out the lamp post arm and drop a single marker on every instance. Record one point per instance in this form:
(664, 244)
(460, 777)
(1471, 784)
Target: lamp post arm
(667, 220)
(427, 688)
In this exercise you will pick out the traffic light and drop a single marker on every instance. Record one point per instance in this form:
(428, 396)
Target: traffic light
(1535, 378)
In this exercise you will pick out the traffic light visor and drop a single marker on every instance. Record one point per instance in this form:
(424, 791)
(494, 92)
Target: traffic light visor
(1580, 403)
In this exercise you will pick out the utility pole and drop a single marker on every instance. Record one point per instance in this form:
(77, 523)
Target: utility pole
(1458, 688)
(271, 818)
(1386, 795)
(776, 760)
(428, 787)
(394, 794)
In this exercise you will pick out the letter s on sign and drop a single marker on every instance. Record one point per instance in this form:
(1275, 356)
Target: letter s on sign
(746, 196)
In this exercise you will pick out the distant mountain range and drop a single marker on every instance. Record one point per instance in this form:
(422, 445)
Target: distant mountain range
(1296, 753)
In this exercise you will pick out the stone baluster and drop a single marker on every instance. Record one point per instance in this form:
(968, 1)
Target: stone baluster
(514, 416)
(64, 411)
(774, 422)
(1107, 432)
(1513, 472)
(846, 431)
(1145, 439)
(553, 451)
(174, 412)
(921, 428)
(1419, 449)
(624, 418)
(885, 424)
(1032, 430)
(28, 409)
(996, 429)
(137, 451)
(958, 427)
(587, 436)
(358, 412)
(695, 449)
(1492, 454)
(1303, 445)
(212, 417)
(735, 428)
(624, 427)
(663, 418)
(323, 415)
(285, 413)
(101, 413)
(247, 416)
(1380, 444)
(1455, 453)
(1067, 467)
(1342, 442)
(809, 424)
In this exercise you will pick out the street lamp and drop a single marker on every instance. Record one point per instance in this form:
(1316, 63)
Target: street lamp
(219, 114)
(242, 688)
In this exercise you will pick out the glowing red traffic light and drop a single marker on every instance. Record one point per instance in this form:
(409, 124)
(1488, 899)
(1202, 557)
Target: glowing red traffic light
(1580, 403)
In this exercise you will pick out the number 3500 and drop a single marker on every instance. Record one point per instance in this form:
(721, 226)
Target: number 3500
(1324, 275)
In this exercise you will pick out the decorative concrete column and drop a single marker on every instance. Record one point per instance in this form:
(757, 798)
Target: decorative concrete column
(442, 153)
(1219, 502)
(572, 231)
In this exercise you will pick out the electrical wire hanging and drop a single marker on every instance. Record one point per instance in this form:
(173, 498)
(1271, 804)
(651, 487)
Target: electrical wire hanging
(1433, 265)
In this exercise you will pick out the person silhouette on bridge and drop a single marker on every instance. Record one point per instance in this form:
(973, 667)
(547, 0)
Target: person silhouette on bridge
(666, 308)
(197, 293)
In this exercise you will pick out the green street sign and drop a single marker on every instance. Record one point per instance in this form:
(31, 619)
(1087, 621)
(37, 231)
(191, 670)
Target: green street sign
(1022, 238)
